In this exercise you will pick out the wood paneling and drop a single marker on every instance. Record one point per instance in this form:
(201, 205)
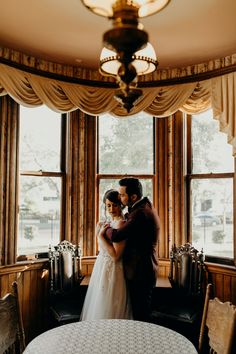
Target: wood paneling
(87, 265)
(8, 178)
(223, 279)
(161, 188)
(163, 268)
(169, 187)
(80, 199)
(32, 282)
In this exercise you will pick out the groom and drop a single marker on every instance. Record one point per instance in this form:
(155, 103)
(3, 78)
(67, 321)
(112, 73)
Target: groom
(141, 232)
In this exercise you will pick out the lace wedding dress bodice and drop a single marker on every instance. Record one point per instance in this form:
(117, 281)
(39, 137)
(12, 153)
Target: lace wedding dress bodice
(107, 295)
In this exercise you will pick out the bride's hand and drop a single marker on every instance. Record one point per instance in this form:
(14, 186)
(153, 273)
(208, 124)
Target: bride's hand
(98, 226)
(102, 230)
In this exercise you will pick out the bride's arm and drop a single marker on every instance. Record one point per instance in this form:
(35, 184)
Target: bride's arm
(115, 250)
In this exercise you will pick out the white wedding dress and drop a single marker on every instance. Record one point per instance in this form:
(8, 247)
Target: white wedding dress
(107, 295)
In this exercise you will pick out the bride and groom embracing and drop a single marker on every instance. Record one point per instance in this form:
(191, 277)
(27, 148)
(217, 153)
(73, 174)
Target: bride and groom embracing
(125, 270)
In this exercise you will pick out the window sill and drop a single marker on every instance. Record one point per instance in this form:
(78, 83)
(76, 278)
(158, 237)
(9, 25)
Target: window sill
(32, 257)
(220, 261)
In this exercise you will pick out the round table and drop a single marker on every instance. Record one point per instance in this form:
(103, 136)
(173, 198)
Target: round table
(110, 337)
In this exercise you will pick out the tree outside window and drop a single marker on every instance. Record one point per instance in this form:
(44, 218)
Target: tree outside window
(211, 188)
(40, 180)
(125, 148)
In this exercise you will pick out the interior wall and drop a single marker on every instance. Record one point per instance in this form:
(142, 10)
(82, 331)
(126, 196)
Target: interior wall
(32, 279)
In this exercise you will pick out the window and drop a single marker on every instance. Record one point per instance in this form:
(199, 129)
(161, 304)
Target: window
(41, 180)
(211, 188)
(125, 147)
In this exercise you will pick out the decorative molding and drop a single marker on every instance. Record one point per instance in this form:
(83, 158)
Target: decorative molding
(221, 269)
(215, 67)
(68, 73)
(92, 77)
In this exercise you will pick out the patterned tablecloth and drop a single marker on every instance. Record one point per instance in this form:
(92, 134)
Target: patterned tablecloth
(110, 336)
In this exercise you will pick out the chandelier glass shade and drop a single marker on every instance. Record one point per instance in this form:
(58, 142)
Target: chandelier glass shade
(144, 61)
(105, 8)
(127, 53)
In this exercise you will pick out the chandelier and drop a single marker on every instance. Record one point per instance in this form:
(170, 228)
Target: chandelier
(127, 53)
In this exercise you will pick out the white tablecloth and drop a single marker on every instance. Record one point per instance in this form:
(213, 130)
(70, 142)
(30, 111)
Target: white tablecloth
(110, 337)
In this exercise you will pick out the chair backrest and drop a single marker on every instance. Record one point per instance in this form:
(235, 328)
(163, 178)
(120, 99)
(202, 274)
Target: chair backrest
(218, 325)
(12, 337)
(65, 266)
(187, 269)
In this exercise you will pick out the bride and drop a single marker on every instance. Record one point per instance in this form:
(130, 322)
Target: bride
(107, 295)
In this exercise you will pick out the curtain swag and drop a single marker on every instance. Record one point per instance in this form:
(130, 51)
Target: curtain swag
(219, 93)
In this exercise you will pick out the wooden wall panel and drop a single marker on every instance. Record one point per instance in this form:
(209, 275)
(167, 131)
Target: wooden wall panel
(169, 199)
(80, 201)
(163, 268)
(223, 279)
(161, 187)
(87, 265)
(32, 282)
(33, 288)
(227, 280)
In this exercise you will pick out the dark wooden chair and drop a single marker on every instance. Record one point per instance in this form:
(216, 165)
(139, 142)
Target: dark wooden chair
(12, 337)
(66, 296)
(180, 307)
(218, 326)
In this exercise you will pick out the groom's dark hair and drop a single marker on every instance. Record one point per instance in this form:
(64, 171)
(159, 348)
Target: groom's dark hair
(133, 186)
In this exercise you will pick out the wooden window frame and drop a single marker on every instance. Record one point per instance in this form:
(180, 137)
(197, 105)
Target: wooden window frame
(60, 174)
(191, 176)
(101, 176)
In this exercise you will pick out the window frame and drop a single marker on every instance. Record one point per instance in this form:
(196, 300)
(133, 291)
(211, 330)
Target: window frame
(101, 176)
(60, 174)
(189, 176)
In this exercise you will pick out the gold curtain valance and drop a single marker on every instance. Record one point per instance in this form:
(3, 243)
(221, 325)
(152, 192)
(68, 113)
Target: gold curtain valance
(33, 90)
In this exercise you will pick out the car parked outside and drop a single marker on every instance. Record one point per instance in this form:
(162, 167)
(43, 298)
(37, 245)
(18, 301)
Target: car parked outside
(206, 220)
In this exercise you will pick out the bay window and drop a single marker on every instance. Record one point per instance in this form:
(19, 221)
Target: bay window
(41, 179)
(211, 179)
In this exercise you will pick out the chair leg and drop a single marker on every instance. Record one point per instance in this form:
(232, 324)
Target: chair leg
(203, 323)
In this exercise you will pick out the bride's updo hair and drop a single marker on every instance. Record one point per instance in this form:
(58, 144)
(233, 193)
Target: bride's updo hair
(113, 196)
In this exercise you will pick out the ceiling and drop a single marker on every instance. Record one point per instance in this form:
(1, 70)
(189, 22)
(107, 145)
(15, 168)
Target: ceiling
(186, 32)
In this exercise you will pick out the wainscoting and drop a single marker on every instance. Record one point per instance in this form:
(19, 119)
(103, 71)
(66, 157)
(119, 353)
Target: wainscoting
(222, 277)
(32, 278)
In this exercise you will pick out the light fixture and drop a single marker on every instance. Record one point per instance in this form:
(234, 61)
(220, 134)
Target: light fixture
(127, 40)
(144, 61)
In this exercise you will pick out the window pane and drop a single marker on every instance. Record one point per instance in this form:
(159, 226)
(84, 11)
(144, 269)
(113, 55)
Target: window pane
(106, 184)
(39, 214)
(212, 216)
(39, 148)
(210, 151)
(126, 144)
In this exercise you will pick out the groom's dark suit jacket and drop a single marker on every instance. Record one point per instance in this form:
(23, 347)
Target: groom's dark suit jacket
(141, 234)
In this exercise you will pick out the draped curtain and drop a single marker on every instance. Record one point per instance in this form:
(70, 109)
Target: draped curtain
(219, 93)
(8, 179)
(82, 102)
